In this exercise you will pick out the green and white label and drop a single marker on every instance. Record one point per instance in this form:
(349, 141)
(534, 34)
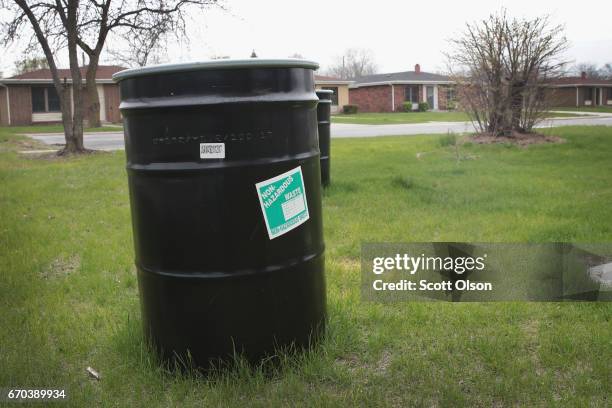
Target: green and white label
(283, 202)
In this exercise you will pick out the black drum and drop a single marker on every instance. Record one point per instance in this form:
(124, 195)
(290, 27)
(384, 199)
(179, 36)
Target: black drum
(224, 178)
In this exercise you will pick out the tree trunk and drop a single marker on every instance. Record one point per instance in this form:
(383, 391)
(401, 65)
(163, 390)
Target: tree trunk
(65, 100)
(93, 110)
(74, 136)
(516, 95)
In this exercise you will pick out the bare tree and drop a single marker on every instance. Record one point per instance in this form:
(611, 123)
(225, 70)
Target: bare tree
(87, 24)
(146, 22)
(141, 49)
(53, 23)
(502, 66)
(591, 70)
(606, 71)
(28, 64)
(354, 63)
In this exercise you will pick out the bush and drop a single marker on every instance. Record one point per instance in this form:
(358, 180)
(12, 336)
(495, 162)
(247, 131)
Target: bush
(451, 105)
(450, 139)
(350, 109)
(407, 106)
(402, 182)
(423, 106)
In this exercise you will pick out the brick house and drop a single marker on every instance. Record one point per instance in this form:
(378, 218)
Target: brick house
(388, 92)
(30, 98)
(580, 91)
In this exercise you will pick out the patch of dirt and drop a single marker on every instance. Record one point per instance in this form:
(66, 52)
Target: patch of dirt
(531, 330)
(58, 155)
(22, 145)
(61, 266)
(349, 263)
(516, 138)
(383, 363)
(353, 363)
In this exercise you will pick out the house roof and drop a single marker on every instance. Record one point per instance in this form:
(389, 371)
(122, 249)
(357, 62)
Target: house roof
(579, 81)
(325, 79)
(405, 77)
(104, 74)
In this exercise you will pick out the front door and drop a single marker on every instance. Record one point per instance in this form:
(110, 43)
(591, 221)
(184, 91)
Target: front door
(430, 96)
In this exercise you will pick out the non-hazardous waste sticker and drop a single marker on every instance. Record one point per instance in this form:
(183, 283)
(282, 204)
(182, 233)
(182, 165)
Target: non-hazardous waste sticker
(283, 202)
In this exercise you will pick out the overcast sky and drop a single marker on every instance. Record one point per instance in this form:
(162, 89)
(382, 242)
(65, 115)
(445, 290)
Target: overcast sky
(400, 33)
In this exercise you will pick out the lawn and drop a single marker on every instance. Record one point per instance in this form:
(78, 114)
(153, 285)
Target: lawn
(69, 297)
(411, 117)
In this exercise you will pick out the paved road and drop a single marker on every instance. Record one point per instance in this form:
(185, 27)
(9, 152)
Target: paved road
(114, 140)
(350, 130)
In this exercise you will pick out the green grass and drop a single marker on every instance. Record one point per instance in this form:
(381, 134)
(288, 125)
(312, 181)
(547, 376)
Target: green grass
(69, 298)
(601, 109)
(410, 117)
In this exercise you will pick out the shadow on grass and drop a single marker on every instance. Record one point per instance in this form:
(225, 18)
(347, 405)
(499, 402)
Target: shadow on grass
(139, 355)
(340, 187)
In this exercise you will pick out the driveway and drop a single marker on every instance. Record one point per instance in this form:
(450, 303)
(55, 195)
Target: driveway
(114, 140)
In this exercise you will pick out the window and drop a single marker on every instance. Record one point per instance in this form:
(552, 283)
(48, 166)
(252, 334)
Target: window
(450, 94)
(334, 97)
(588, 94)
(53, 100)
(411, 94)
(45, 99)
(38, 100)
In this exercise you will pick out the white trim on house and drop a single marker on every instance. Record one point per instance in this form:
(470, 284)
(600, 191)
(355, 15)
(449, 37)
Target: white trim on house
(46, 117)
(578, 85)
(424, 99)
(577, 96)
(100, 89)
(401, 83)
(330, 82)
(435, 97)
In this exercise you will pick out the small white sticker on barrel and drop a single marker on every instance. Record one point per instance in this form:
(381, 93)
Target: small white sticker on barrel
(212, 150)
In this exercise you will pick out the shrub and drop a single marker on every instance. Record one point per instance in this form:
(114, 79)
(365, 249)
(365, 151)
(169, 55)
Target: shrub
(451, 105)
(407, 106)
(350, 109)
(423, 106)
(402, 182)
(450, 139)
